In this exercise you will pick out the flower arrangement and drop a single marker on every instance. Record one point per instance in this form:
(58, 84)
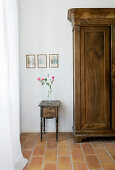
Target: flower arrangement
(49, 82)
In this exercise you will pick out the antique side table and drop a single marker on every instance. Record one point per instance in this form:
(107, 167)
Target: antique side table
(49, 110)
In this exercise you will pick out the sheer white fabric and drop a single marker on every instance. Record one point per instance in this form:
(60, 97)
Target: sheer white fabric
(10, 151)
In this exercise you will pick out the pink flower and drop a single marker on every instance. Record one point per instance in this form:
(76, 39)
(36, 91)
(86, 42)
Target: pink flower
(42, 78)
(38, 79)
(52, 77)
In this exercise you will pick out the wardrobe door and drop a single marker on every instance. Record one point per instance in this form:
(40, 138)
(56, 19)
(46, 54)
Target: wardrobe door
(113, 75)
(95, 77)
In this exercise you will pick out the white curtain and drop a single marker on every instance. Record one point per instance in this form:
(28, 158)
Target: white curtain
(10, 151)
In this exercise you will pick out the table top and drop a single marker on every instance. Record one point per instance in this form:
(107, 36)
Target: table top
(49, 103)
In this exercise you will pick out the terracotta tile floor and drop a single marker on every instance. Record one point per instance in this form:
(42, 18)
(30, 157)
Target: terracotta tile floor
(91, 154)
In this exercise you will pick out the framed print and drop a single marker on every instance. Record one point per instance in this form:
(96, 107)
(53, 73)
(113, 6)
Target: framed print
(30, 61)
(53, 60)
(42, 60)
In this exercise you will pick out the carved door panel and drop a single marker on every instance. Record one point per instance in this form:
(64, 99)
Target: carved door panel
(95, 78)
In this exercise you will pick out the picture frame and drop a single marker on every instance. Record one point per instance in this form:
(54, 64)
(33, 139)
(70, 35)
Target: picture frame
(30, 61)
(53, 60)
(42, 60)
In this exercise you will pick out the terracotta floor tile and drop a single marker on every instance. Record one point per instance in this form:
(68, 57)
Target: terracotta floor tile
(92, 162)
(64, 163)
(97, 144)
(44, 139)
(34, 136)
(72, 143)
(64, 138)
(113, 156)
(39, 150)
(51, 136)
(66, 142)
(63, 149)
(79, 166)
(24, 135)
(99, 148)
(51, 155)
(51, 144)
(23, 140)
(63, 141)
(110, 147)
(94, 165)
(77, 155)
(38, 142)
(75, 145)
(87, 148)
(108, 165)
(26, 153)
(50, 166)
(63, 134)
(71, 140)
(104, 156)
(70, 135)
(36, 163)
(29, 144)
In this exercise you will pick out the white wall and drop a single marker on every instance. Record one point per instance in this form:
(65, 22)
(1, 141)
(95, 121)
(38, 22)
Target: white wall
(44, 28)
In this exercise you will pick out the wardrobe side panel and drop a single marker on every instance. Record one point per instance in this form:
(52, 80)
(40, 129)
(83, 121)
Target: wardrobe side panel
(76, 77)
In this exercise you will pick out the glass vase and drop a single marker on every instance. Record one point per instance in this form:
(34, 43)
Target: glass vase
(49, 95)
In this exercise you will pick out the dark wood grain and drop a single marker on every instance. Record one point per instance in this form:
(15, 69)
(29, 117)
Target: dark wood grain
(49, 110)
(113, 75)
(94, 72)
(76, 77)
(92, 16)
(49, 103)
(93, 62)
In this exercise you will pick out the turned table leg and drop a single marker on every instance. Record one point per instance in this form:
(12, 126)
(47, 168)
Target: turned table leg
(41, 128)
(56, 128)
(44, 125)
(41, 122)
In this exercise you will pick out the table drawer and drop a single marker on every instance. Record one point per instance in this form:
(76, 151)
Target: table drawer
(49, 112)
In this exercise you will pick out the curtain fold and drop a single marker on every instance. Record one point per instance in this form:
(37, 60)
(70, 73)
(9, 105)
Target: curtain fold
(10, 150)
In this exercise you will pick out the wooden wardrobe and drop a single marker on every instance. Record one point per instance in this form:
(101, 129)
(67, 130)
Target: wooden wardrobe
(93, 72)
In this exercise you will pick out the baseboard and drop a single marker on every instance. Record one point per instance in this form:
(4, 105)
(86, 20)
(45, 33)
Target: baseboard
(38, 131)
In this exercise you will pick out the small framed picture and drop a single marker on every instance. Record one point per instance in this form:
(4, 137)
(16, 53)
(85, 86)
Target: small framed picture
(42, 60)
(30, 61)
(53, 60)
